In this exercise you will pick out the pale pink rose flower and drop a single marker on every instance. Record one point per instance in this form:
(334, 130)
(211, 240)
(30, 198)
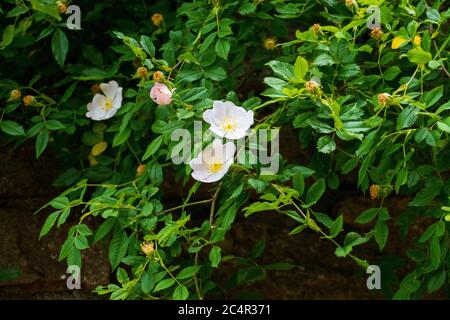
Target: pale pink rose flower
(161, 94)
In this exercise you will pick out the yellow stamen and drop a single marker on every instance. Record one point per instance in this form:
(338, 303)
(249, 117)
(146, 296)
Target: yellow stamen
(215, 167)
(229, 124)
(108, 104)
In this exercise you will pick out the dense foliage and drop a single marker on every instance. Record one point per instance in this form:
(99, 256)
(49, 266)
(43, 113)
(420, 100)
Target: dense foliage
(372, 103)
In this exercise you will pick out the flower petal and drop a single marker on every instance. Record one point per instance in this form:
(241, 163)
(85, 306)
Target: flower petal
(110, 89)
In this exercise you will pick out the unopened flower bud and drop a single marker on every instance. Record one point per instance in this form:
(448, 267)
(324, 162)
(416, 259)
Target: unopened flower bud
(158, 76)
(28, 100)
(142, 72)
(311, 85)
(157, 19)
(147, 248)
(384, 98)
(316, 27)
(376, 33)
(140, 169)
(15, 95)
(350, 3)
(270, 43)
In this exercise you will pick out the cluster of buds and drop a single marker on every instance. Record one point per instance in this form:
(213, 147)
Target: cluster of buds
(158, 76)
(14, 95)
(316, 27)
(157, 19)
(147, 248)
(376, 34)
(384, 99)
(62, 6)
(377, 191)
(270, 43)
(28, 100)
(142, 72)
(140, 170)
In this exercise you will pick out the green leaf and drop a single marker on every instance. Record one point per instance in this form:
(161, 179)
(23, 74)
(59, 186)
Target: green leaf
(298, 182)
(152, 148)
(8, 36)
(391, 73)
(81, 242)
(222, 48)
(367, 215)
(60, 46)
(41, 142)
(118, 247)
(283, 69)
(147, 45)
(48, 224)
(437, 281)
(431, 97)
(258, 185)
(60, 202)
(180, 293)
(147, 282)
(326, 144)
(407, 117)
(54, 125)
(279, 266)
(435, 252)
(164, 284)
(12, 128)
(188, 272)
(381, 231)
(337, 226)
(419, 56)
(315, 192)
(215, 73)
(300, 69)
(215, 256)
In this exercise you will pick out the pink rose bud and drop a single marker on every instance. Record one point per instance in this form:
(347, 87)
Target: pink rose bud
(161, 94)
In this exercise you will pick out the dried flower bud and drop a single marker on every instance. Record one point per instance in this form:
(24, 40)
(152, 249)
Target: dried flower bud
(140, 169)
(14, 95)
(147, 248)
(311, 85)
(158, 76)
(374, 191)
(376, 33)
(28, 100)
(142, 72)
(96, 89)
(270, 43)
(316, 27)
(384, 98)
(157, 19)
(62, 6)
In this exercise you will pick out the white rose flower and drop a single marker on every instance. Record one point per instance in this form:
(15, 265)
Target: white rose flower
(105, 106)
(213, 162)
(227, 120)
